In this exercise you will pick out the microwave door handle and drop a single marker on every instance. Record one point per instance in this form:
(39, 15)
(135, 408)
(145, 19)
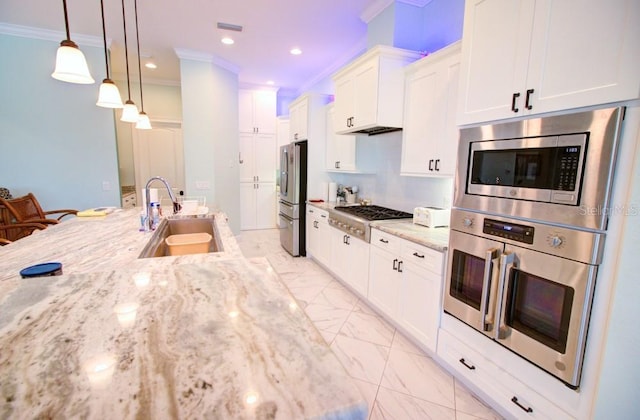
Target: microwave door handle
(490, 255)
(506, 263)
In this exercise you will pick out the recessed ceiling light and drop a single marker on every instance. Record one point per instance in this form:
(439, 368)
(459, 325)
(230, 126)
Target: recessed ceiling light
(151, 65)
(296, 51)
(227, 40)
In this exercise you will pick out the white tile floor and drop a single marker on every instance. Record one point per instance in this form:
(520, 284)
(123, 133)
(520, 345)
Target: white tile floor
(398, 379)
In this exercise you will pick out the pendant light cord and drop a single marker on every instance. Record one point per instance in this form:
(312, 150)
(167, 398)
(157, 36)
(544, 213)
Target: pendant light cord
(104, 38)
(135, 5)
(126, 53)
(66, 19)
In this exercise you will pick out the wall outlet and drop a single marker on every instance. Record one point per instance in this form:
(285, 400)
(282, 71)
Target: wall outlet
(106, 186)
(203, 185)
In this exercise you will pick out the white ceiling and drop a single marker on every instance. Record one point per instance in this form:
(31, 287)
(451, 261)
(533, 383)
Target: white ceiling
(329, 32)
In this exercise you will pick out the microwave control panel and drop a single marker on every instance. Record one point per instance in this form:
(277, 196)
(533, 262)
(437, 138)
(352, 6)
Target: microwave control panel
(512, 231)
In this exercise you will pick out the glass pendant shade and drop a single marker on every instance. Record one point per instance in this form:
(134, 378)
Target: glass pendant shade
(71, 66)
(129, 112)
(109, 96)
(143, 121)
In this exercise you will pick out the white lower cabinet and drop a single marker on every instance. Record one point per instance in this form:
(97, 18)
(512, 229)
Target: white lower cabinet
(257, 205)
(318, 235)
(516, 399)
(405, 283)
(350, 260)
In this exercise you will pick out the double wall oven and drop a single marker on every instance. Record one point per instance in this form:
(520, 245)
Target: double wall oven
(528, 227)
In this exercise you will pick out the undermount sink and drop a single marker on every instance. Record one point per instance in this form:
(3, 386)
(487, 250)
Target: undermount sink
(156, 247)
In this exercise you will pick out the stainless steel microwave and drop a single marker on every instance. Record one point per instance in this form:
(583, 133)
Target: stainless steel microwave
(555, 169)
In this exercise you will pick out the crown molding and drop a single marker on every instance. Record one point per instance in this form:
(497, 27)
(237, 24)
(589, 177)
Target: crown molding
(380, 5)
(184, 54)
(50, 35)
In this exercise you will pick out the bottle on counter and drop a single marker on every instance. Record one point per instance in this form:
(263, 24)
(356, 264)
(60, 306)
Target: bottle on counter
(144, 226)
(155, 215)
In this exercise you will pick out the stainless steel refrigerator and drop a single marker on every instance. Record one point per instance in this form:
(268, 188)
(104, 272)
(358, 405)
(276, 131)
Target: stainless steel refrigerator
(293, 196)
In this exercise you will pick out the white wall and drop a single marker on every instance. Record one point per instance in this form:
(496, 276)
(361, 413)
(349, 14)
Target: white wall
(210, 130)
(54, 140)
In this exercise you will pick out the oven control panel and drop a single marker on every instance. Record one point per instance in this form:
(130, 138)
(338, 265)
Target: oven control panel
(515, 232)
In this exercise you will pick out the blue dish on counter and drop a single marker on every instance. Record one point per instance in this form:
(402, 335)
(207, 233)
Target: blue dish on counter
(42, 270)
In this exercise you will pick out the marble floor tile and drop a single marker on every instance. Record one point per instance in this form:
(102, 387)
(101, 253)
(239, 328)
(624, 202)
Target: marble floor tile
(305, 294)
(402, 343)
(362, 359)
(467, 403)
(368, 391)
(396, 405)
(418, 376)
(325, 317)
(368, 327)
(337, 298)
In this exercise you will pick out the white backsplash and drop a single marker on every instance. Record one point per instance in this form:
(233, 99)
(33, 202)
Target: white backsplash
(379, 156)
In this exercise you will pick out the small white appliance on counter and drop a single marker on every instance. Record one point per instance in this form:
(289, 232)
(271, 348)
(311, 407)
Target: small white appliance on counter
(431, 216)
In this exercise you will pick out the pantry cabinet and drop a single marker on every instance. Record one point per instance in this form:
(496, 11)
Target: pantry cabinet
(318, 235)
(257, 111)
(430, 134)
(257, 162)
(299, 119)
(369, 91)
(350, 260)
(341, 149)
(405, 283)
(526, 57)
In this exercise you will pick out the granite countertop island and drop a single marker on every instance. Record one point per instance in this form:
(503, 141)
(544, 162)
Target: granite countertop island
(197, 336)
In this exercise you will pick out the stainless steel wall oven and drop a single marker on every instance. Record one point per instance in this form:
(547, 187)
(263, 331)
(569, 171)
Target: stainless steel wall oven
(524, 253)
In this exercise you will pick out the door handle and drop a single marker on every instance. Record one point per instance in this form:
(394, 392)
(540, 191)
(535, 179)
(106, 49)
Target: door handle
(527, 99)
(348, 237)
(513, 101)
(467, 365)
(490, 255)
(506, 262)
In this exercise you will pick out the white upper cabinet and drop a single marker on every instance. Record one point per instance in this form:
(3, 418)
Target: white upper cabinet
(341, 149)
(299, 119)
(257, 157)
(257, 111)
(430, 134)
(369, 91)
(524, 57)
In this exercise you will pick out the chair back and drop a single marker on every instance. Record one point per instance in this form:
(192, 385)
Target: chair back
(24, 208)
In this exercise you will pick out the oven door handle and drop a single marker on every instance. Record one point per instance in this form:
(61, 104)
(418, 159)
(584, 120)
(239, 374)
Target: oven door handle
(507, 261)
(490, 255)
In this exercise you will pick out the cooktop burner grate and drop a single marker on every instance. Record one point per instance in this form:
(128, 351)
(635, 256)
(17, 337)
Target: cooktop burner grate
(374, 212)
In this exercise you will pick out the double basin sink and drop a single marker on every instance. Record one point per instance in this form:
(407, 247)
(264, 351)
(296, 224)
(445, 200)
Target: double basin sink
(156, 247)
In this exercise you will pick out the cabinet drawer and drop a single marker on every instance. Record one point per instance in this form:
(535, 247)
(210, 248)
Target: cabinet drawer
(386, 241)
(511, 394)
(321, 215)
(424, 257)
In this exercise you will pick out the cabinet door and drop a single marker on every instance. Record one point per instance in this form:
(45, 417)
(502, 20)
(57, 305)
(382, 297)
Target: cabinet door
(247, 205)
(344, 104)
(584, 52)
(298, 114)
(246, 158)
(419, 303)
(264, 111)
(339, 254)
(358, 265)
(366, 93)
(384, 281)
(423, 121)
(447, 155)
(323, 242)
(495, 53)
(245, 114)
(264, 153)
(265, 206)
(341, 149)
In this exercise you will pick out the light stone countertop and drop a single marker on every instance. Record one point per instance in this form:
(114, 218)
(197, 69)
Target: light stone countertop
(197, 336)
(434, 238)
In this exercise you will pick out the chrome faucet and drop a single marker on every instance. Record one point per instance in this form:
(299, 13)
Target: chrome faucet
(176, 205)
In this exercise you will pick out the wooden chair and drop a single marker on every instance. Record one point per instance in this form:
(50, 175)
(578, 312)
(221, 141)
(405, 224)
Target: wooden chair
(27, 209)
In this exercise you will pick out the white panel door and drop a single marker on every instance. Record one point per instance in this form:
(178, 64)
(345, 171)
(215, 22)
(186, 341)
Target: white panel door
(265, 205)
(264, 157)
(247, 205)
(246, 158)
(159, 152)
(384, 281)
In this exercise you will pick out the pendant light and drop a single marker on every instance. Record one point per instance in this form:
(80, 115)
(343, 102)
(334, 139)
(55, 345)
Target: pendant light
(130, 110)
(109, 96)
(143, 120)
(71, 66)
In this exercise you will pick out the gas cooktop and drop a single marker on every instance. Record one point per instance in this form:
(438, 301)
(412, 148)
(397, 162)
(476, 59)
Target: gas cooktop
(374, 212)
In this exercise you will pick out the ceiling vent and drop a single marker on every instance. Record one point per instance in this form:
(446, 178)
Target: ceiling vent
(229, 27)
